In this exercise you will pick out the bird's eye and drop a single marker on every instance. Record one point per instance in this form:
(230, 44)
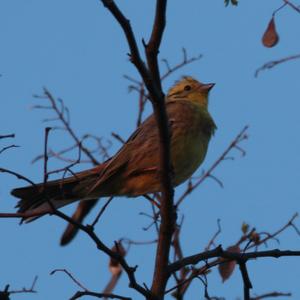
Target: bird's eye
(187, 88)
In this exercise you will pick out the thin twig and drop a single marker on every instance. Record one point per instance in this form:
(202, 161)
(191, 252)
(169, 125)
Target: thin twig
(8, 147)
(77, 282)
(6, 136)
(185, 61)
(130, 271)
(152, 48)
(102, 211)
(271, 236)
(65, 121)
(296, 8)
(118, 138)
(271, 64)
(239, 257)
(68, 167)
(212, 240)
(26, 290)
(47, 130)
(101, 148)
(80, 294)
(278, 9)
(19, 176)
(137, 243)
(271, 295)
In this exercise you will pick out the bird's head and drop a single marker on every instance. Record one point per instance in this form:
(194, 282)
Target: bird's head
(190, 89)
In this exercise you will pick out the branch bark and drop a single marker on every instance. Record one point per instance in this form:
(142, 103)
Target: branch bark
(151, 78)
(219, 252)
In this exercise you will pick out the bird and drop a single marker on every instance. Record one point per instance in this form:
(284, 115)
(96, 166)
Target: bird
(134, 170)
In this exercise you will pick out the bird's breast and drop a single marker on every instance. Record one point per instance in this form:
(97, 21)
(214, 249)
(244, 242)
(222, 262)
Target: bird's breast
(189, 145)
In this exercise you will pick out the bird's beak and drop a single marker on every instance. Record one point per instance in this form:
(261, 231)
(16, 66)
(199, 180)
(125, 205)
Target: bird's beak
(207, 87)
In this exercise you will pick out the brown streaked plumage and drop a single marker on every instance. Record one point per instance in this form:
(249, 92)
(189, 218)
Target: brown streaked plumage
(133, 170)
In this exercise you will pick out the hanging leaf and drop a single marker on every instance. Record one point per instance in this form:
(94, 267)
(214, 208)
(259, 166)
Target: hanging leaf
(114, 266)
(270, 37)
(226, 268)
(245, 228)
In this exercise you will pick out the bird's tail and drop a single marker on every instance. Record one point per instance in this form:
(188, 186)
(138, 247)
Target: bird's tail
(37, 200)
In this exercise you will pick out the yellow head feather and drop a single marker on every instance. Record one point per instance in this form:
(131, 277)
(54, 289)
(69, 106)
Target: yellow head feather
(190, 89)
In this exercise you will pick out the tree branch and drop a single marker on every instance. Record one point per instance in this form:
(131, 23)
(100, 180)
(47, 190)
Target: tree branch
(6, 136)
(296, 8)
(246, 280)
(219, 252)
(271, 295)
(152, 82)
(273, 63)
(80, 294)
(152, 48)
(66, 123)
(89, 230)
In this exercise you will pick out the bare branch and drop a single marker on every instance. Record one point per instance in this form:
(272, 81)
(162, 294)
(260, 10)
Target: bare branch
(118, 138)
(271, 295)
(212, 240)
(152, 48)
(246, 280)
(100, 148)
(271, 64)
(77, 282)
(47, 130)
(6, 136)
(185, 61)
(130, 271)
(80, 294)
(137, 243)
(239, 257)
(31, 289)
(151, 79)
(102, 211)
(290, 223)
(68, 167)
(8, 147)
(293, 6)
(19, 176)
(66, 122)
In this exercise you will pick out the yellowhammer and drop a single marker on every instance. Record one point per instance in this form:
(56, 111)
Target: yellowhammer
(133, 170)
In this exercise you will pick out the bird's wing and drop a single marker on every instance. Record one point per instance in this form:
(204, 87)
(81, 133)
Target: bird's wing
(135, 144)
(141, 150)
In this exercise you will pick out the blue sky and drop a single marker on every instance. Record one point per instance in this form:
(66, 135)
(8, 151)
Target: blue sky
(76, 50)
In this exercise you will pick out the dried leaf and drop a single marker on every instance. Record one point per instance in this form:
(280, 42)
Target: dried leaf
(226, 268)
(270, 37)
(114, 266)
(245, 228)
(255, 238)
